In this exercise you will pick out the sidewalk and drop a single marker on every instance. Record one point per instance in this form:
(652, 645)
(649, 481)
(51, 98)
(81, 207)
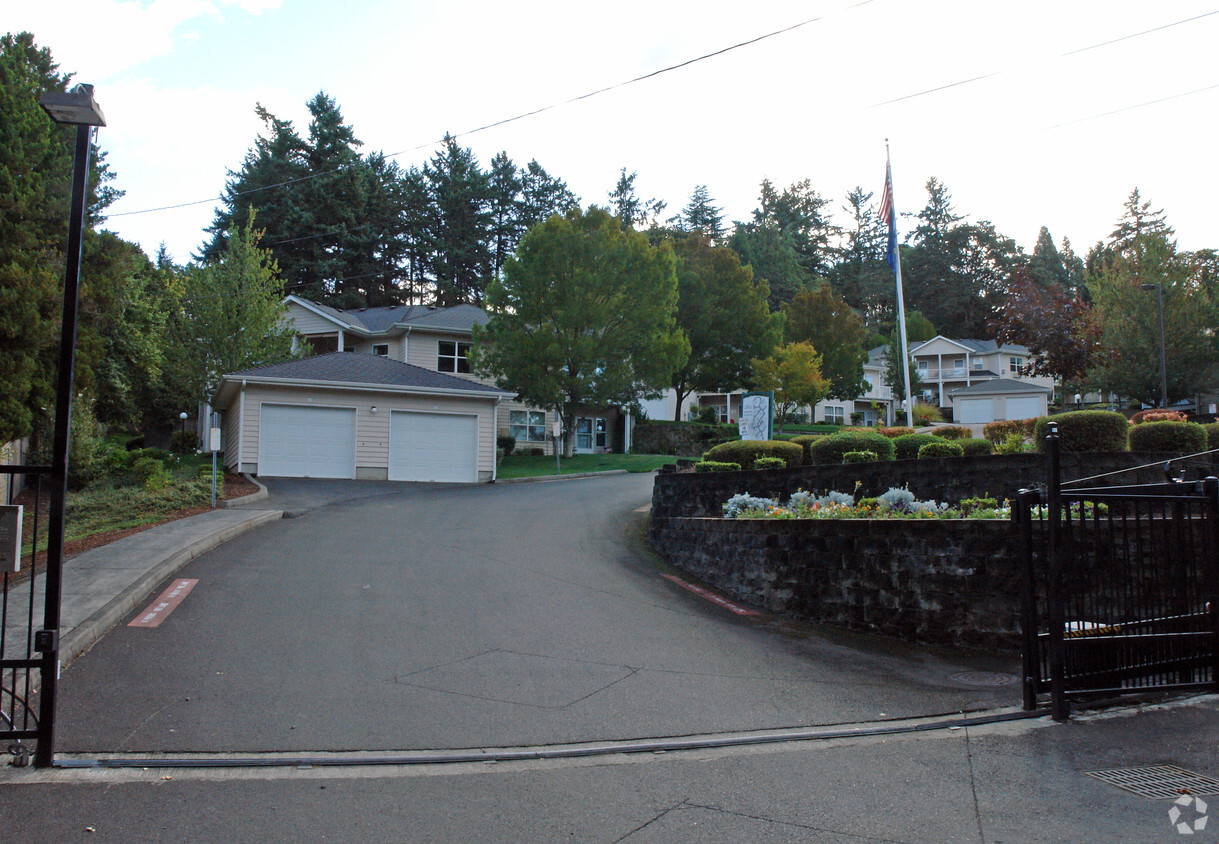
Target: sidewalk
(103, 585)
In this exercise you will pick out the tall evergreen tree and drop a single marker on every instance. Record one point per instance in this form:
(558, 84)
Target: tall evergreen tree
(631, 210)
(798, 211)
(459, 224)
(861, 276)
(769, 251)
(701, 216)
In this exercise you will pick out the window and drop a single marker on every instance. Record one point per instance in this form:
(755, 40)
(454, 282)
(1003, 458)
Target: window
(834, 415)
(977, 363)
(381, 350)
(958, 363)
(453, 356)
(527, 426)
(1017, 365)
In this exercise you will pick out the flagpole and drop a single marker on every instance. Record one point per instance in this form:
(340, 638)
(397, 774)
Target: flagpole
(901, 303)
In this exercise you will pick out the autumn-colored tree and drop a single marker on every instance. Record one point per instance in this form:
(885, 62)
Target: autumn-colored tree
(1061, 331)
(793, 371)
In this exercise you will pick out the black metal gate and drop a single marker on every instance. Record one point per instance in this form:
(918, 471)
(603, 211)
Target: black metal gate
(1122, 587)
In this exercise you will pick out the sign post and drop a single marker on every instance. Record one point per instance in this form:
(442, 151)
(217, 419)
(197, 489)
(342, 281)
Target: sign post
(213, 445)
(557, 430)
(757, 420)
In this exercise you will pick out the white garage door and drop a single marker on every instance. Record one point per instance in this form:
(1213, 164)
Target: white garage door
(433, 447)
(974, 411)
(1025, 407)
(307, 442)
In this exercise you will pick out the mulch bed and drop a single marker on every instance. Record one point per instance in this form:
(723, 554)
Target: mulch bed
(235, 486)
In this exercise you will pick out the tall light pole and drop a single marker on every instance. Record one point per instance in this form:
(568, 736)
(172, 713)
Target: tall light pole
(1163, 363)
(74, 108)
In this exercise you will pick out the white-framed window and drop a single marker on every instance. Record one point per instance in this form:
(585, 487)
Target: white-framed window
(381, 350)
(977, 363)
(453, 356)
(527, 426)
(1018, 365)
(958, 363)
(835, 415)
(922, 365)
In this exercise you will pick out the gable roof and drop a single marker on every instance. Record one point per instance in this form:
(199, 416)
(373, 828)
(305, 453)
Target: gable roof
(999, 386)
(349, 369)
(461, 318)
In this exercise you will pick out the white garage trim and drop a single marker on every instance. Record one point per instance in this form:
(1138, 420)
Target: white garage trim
(433, 446)
(306, 440)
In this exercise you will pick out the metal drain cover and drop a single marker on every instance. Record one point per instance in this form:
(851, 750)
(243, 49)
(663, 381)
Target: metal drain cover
(983, 678)
(1159, 782)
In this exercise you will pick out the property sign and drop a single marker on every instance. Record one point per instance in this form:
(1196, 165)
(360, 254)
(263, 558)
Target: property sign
(757, 416)
(213, 440)
(10, 537)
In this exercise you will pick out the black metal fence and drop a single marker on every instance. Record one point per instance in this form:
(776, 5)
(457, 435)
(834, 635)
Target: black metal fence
(1122, 588)
(24, 658)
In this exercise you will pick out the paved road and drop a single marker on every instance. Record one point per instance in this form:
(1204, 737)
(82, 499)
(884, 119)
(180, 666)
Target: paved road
(392, 616)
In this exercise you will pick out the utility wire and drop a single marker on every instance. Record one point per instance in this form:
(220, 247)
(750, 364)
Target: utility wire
(1131, 107)
(513, 119)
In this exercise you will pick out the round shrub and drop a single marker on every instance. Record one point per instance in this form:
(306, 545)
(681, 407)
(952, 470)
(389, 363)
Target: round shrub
(804, 441)
(1185, 437)
(860, 457)
(974, 447)
(832, 448)
(953, 432)
(940, 448)
(907, 446)
(1156, 414)
(745, 452)
(184, 442)
(712, 466)
(894, 433)
(998, 431)
(507, 442)
(146, 467)
(1086, 431)
(770, 463)
(1212, 435)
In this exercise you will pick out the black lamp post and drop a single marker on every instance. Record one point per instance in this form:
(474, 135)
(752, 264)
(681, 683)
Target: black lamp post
(74, 108)
(1163, 363)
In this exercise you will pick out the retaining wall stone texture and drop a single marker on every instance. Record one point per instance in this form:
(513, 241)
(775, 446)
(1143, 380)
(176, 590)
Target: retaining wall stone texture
(689, 440)
(948, 582)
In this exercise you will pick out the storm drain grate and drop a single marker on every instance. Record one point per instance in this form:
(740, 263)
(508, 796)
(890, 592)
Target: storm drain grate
(1159, 782)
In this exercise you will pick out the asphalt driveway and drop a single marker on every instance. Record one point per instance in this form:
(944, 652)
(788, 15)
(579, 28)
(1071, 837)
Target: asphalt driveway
(401, 616)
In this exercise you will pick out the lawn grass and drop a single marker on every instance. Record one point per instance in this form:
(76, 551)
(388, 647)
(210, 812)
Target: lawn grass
(528, 466)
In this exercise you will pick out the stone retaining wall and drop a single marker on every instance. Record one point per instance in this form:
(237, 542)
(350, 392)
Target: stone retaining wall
(950, 582)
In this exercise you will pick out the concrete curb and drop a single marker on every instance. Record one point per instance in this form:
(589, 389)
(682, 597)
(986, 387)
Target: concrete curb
(246, 499)
(82, 637)
(573, 476)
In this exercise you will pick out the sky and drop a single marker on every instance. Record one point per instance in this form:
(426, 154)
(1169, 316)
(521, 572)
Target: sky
(1038, 113)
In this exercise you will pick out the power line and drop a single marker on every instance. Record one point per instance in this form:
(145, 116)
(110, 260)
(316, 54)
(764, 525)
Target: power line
(507, 120)
(1131, 107)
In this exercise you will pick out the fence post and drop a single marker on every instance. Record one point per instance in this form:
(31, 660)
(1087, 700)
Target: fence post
(1210, 487)
(1022, 517)
(1060, 709)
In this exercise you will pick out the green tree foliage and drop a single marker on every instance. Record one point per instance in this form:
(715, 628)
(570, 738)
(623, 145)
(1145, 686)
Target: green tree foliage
(793, 371)
(798, 211)
(918, 327)
(769, 251)
(631, 210)
(584, 316)
(232, 315)
(723, 313)
(1129, 320)
(861, 276)
(700, 216)
(895, 376)
(830, 324)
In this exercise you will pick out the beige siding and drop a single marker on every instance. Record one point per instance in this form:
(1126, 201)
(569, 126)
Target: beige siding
(505, 423)
(363, 345)
(372, 429)
(307, 322)
(229, 435)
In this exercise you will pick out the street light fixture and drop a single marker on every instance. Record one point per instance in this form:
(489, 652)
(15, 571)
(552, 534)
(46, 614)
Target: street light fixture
(182, 416)
(74, 108)
(1163, 363)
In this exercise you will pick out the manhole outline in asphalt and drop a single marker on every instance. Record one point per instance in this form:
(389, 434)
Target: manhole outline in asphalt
(984, 678)
(1158, 782)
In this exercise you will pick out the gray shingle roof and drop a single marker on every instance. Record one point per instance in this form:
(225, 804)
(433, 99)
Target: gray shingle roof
(353, 368)
(999, 386)
(379, 320)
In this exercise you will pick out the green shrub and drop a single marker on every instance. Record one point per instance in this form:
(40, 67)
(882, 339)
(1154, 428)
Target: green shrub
(184, 442)
(907, 446)
(770, 463)
(860, 457)
(1212, 435)
(713, 466)
(745, 452)
(534, 452)
(1086, 431)
(969, 505)
(830, 450)
(805, 441)
(940, 448)
(134, 442)
(1012, 444)
(158, 454)
(507, 442)
(1156, 414)
(925, 414)
(894, 433)
(1186, 437)
(953, 432)
(974, 447)
(997, 431)
(708, 416)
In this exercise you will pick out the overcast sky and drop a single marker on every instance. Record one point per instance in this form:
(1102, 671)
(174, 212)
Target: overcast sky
(1045, 135)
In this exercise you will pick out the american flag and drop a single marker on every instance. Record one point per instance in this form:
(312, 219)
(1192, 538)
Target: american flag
(889, 216)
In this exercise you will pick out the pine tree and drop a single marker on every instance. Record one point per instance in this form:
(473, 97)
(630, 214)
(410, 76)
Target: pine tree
(700, 216)
(629, 208)
(459, 224)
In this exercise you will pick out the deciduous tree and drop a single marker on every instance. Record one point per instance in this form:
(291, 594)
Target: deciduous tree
(793, 371)
(831, 325)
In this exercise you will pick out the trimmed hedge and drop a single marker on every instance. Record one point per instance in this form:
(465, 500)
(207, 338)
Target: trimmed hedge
(1187, 437)
(806, 440)
(974, 447)
(997, 432)
(953, 432)
(860, 457)
(907, 446)
(770, 463)
(712, 466)
(894, 433)
(1086, 431)
(940, 448)
(1156, 414)
(745, 452)
(832, 448)
(1212, 435)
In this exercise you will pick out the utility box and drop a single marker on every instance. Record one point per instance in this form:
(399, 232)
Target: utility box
(10, 537)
